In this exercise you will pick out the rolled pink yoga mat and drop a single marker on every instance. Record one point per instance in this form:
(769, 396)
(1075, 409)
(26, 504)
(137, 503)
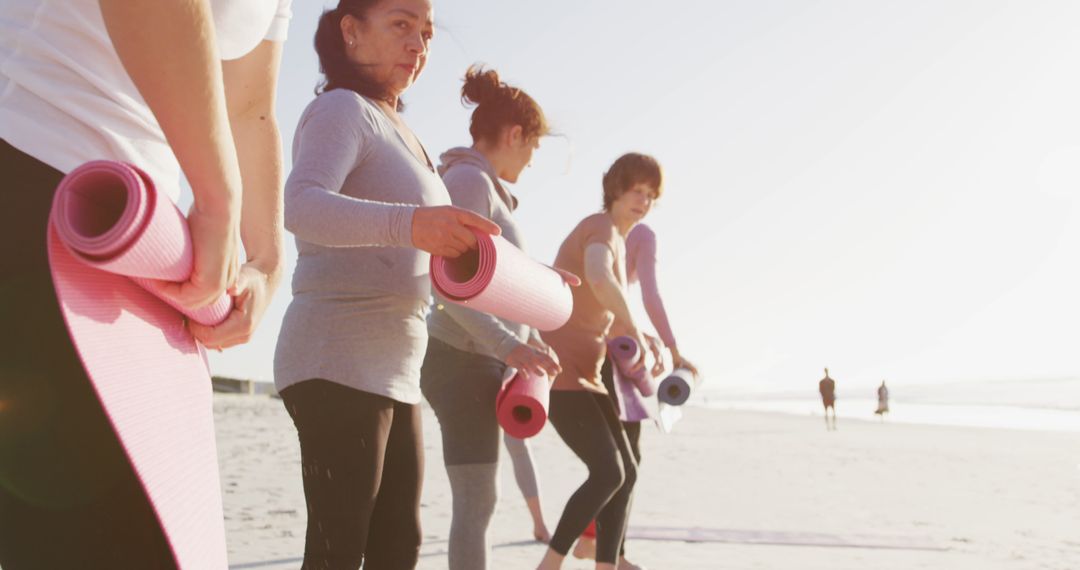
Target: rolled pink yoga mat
(522, 404)
(111, 234)
(500, 279)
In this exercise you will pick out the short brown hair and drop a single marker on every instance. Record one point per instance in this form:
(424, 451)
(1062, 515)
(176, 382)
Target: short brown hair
(628, 170)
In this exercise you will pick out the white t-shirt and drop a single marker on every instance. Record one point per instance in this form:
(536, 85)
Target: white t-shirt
(66, 99)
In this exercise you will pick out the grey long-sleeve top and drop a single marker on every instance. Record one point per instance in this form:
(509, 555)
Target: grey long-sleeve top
(472, 184)
(360, 290)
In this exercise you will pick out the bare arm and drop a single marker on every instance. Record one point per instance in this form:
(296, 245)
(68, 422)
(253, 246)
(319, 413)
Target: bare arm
(250, 86)
(250, 89)
(187, 98)
(600, 277)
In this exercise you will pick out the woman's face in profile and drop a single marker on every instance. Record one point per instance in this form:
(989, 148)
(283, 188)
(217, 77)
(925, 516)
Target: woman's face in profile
(391, 41)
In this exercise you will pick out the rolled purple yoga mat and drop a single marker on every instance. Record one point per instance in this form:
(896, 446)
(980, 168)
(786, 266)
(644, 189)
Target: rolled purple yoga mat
(677, 387)
(522, 404)
(624, 352)
(500, 279)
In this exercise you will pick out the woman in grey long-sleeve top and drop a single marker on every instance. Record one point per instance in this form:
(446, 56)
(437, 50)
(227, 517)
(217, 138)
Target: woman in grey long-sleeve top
(348, 357)
(469, 351)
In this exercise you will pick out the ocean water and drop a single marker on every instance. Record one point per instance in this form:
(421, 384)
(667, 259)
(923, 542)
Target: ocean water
(1052, 405)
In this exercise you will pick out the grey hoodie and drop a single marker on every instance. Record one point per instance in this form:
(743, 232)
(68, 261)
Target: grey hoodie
(473, 185)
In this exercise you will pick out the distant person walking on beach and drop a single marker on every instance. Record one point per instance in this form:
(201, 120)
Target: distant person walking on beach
(827, 387)
(353, 339)
(581, 411)
(882, 401)
(469, 352)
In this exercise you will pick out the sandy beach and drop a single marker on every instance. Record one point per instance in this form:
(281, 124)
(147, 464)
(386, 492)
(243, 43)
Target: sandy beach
(726, 490)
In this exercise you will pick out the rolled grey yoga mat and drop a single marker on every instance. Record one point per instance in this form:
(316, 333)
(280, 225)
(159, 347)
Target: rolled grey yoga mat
(677, 387)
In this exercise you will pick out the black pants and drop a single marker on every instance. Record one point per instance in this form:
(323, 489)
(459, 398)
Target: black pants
(633, 429)
(69, 497)
(590, 426)
(362, 460)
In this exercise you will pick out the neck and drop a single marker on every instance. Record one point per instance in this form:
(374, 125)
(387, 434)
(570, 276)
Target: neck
(492, 155)
(624, 225)
(389, 105)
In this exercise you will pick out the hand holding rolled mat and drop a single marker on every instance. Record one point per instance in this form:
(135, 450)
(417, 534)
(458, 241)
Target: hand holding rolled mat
(522, 404)
(624, 352)
(110, 216)
(676, 389)
(500, 279)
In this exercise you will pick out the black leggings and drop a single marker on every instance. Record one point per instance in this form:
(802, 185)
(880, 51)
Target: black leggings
(590, 426)
(633, 429)
(362, 460)
(69, 497)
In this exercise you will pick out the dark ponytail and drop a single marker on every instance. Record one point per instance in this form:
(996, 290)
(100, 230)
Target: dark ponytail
(499, 105)
(340, 72)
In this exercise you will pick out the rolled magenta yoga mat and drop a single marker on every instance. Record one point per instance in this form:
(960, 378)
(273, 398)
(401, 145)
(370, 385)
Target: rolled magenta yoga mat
(500, 279)
(110, 235)
(522, 404)
(677, 387)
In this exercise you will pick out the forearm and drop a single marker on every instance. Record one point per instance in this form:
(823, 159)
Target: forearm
(612, 298)
(258, 148)
(330, 219)
(198, 134)
(484, 328)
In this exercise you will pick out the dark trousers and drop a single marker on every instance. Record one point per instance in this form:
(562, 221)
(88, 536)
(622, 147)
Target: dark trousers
(69, 497)
(362, 460)
(590, 426)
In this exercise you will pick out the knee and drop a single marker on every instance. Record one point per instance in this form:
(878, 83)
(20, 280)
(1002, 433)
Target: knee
(610, 476)
(629, 475)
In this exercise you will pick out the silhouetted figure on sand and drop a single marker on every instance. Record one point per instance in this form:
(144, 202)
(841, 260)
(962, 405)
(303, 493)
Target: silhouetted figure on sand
(827, 387)
(882, 401)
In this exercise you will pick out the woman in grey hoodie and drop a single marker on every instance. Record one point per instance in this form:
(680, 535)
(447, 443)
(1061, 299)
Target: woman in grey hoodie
(469, 352)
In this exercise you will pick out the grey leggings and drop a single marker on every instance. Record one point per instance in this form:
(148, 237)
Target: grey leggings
(590, 426)
(461, 388)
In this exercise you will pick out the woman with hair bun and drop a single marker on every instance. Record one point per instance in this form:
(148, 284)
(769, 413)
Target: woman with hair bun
(348, 358)
(469, 352)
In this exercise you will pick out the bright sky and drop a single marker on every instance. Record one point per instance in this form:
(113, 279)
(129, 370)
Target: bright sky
(887, 189)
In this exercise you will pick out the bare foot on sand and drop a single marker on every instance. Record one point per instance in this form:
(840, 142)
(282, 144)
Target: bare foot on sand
(585, 548)
(541, 534)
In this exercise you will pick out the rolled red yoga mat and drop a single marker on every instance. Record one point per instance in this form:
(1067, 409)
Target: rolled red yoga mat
(677, 387)
(500, 279)
(522, 404)
(109, 230)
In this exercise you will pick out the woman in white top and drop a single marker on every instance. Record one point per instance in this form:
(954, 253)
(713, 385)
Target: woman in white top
(171, 86)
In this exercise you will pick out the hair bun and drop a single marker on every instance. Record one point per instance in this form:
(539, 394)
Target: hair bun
(481, 85)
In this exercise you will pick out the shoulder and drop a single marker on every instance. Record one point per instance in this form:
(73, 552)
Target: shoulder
(467, 178)
(345, 104)
(642, 232)
(469, 186)
(598, 228)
